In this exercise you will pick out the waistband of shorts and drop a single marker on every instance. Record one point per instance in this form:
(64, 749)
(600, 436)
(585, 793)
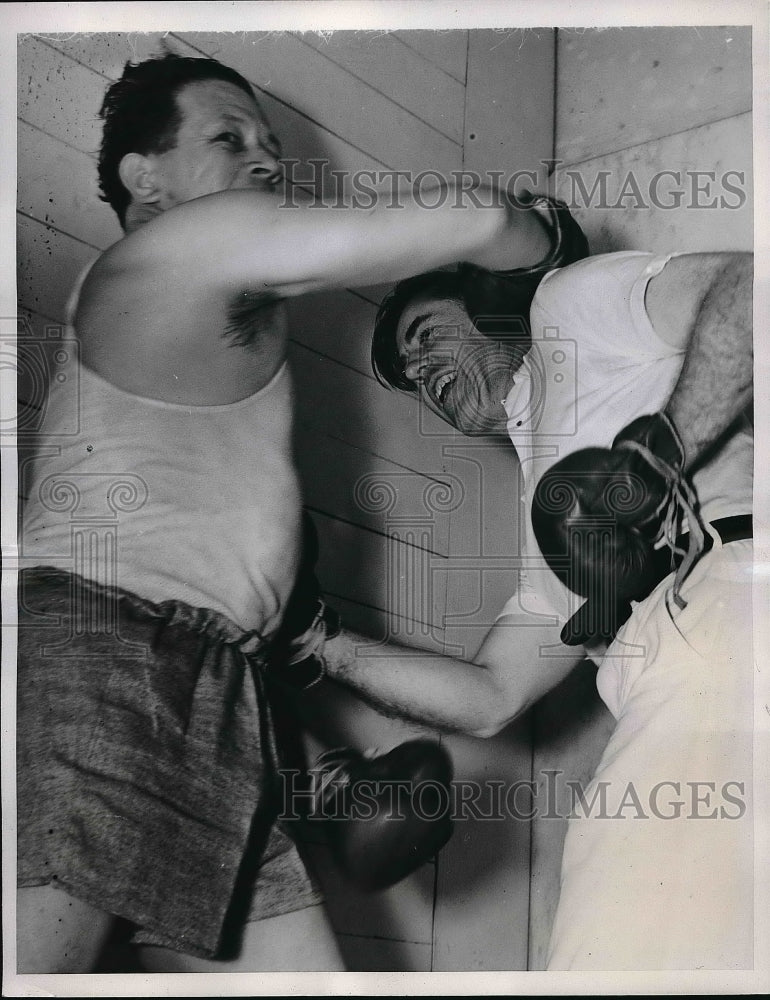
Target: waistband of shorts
(203, 621)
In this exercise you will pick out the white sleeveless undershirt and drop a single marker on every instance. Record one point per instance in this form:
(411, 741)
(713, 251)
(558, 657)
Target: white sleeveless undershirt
(170, 501)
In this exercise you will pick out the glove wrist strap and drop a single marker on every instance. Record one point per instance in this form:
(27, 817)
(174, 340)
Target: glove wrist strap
(663, 451)
(305, 664)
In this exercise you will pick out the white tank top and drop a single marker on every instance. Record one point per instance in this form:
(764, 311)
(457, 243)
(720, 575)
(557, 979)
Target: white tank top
(170, 501)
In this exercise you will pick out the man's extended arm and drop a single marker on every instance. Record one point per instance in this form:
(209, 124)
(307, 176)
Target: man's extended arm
(701, 302)
(704, 301)
(259, 243)
(515, 666)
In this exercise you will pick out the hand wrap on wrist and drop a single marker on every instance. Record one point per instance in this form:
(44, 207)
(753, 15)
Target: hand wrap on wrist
(305, 652)
(308, 622)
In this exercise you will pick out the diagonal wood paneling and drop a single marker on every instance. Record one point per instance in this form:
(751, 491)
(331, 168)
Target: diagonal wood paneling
(664, 212)
(398, 72)
(326, 93)
(446, 49)
(106, 54)
(49, 263)
(483, 875)
(59, 96)
(505, 130)
(58, 185)
(620, 87)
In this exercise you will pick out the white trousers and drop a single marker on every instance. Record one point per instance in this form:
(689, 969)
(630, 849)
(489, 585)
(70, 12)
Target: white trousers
(657, 870)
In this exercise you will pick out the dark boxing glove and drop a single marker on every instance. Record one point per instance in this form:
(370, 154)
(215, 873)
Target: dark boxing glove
(383, 817)
(498, 302)
(378, 829)
(598, 515)
(308, 621)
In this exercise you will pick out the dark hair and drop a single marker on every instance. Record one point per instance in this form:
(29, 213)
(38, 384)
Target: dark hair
(386, 361)
(141, 115)
(497, 303)
(512, 325)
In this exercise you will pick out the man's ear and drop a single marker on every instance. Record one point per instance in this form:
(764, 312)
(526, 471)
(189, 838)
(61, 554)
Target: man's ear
(138, 177)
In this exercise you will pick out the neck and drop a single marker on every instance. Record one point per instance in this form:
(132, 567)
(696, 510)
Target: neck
(137, 215)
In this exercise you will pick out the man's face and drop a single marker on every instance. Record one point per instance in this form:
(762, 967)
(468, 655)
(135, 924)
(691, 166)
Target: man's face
(463, 376)
(223, 143)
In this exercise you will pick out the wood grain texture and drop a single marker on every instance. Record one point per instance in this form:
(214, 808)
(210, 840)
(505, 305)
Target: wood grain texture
(301, 138)
(295, 73)
(689, 191)
(510, 86)
(619, 87)
(446, 49)
(398, 72)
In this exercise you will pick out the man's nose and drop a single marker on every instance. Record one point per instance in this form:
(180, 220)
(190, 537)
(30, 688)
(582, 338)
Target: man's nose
(262, 166)
(413, 368)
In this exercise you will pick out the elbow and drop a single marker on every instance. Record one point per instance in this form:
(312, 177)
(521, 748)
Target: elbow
(498, 705)
(499, 716)
(487, 731)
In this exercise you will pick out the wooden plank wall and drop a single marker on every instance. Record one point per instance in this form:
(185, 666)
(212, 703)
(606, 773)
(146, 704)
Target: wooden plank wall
(416, 523)
(633, 103)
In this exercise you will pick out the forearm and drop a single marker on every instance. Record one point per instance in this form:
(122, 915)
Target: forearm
(384, 244)
(402, 681)
(478, 698)
(716, 383)
(519, 240)
(294, 249)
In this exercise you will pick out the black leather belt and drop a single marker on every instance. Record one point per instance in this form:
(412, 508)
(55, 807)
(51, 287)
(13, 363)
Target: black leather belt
(732, 529)
(729, 529)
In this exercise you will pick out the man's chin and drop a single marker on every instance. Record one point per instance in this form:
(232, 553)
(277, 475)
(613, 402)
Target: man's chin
(480, 428)
(493, 431)
(469, 423)
(472, 423)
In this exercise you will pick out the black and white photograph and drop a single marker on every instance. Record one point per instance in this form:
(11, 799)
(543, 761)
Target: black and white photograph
(386, 558)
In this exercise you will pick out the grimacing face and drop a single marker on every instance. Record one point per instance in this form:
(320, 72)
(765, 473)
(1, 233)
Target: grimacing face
(223, 143)
(463, 376)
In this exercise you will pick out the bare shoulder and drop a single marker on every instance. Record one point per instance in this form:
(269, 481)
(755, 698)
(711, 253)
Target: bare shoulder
(128, 297)
(675, 294)
(152, 331)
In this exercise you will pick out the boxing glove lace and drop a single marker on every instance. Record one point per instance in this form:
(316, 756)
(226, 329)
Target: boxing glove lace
(602, 517)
